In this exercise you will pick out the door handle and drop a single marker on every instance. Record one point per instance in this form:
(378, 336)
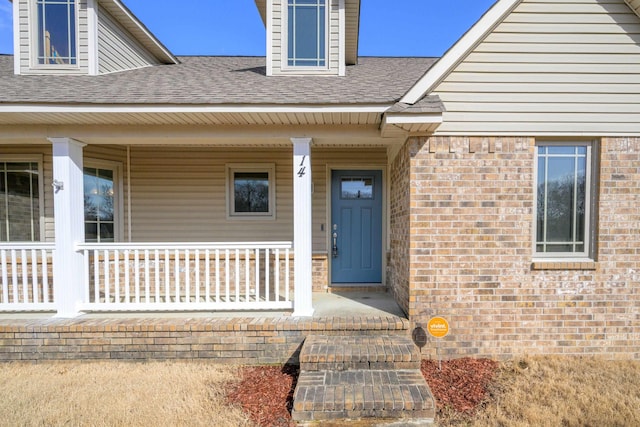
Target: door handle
(334, 251)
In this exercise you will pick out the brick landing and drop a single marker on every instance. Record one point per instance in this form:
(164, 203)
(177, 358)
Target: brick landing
(247, 340)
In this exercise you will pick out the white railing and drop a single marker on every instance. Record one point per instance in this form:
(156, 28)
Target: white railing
(26, 277)
(187, 276)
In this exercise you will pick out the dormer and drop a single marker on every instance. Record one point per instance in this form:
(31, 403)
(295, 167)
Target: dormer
(82, 37)
(317, 37)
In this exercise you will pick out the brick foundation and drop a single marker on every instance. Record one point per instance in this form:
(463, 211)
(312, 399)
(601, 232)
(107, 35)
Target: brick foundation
(251, 340)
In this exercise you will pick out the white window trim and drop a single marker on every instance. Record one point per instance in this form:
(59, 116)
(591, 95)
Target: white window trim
(589, 253)
(284, 41)
(116, 167)
(33, 40)
(31, 158)
(270, 169)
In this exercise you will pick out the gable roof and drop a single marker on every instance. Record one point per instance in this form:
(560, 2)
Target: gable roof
(216, 81)
(487, 23)
(141, 33)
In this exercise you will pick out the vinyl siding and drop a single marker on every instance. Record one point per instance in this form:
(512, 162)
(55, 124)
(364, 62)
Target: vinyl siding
(550, 67)
(117, 49)
(26, 35)
(179, 194)
(279, 39)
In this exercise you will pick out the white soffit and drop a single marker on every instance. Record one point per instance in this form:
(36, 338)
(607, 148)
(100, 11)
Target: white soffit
(634, 5)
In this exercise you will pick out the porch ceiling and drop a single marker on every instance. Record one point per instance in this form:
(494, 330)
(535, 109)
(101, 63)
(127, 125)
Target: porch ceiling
(254, 135)
(309, 117)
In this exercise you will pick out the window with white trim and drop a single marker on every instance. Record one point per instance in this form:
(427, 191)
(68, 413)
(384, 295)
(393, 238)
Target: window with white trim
(55, 34)
(563, 200)
(20, 200)
(101, 201)
(306, 33)
(251, 190)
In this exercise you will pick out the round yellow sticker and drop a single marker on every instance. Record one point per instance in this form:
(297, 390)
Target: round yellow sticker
(438, 327)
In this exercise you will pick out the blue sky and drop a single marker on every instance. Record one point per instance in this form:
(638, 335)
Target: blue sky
(233, 27)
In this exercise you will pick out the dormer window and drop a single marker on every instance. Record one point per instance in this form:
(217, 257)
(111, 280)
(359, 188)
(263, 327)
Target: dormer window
(307, 45)
(56, 32)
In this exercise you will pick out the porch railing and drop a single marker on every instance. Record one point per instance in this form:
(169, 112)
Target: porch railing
(26, 277)
(187, 276)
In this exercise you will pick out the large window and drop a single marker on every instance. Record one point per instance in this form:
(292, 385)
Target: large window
(100, 202)
(20, 201)
(251, 190)
(563, 200)
(306, 33)
(56, 32)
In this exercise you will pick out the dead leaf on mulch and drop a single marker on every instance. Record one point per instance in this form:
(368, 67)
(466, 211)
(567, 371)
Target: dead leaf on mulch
(265, 393)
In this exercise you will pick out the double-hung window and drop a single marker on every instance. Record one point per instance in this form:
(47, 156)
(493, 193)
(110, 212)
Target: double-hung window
(306, 33)
(20, 200)
(56, 32)
(101, 201)
(563, 200)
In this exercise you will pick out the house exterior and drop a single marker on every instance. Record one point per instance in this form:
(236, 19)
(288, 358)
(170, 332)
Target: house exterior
(495, 186)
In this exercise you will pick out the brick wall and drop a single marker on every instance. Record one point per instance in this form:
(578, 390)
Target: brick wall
(471, 224)
(320, 272)
(399, 208)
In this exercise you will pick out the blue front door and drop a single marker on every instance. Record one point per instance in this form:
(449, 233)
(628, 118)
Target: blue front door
(356, 226)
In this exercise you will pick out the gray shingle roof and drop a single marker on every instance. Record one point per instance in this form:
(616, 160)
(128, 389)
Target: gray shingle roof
(428, 104)
(218, 80)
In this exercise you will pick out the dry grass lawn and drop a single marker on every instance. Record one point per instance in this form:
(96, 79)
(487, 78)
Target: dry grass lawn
(564, 391)
(117, 394)
(531, 391)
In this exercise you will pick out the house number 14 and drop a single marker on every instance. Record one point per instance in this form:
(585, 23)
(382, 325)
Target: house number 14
(303, 169)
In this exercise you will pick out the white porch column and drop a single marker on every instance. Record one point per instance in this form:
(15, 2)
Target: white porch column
(302, 243)
(68, 204)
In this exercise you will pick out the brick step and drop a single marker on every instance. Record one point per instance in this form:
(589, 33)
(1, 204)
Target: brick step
(341, 353)
(361, 395)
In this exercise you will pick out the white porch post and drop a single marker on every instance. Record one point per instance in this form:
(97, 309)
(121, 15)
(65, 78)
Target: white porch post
(68, 204)
(302, 243)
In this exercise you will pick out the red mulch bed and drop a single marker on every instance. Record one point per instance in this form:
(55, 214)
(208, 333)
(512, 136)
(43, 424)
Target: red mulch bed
(461, 385)
(266, 393)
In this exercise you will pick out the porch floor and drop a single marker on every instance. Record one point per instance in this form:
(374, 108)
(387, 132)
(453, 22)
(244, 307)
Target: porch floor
(337, 304)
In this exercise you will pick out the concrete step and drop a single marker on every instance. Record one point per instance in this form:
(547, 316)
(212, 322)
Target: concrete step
(341, 353)
(361, 395)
